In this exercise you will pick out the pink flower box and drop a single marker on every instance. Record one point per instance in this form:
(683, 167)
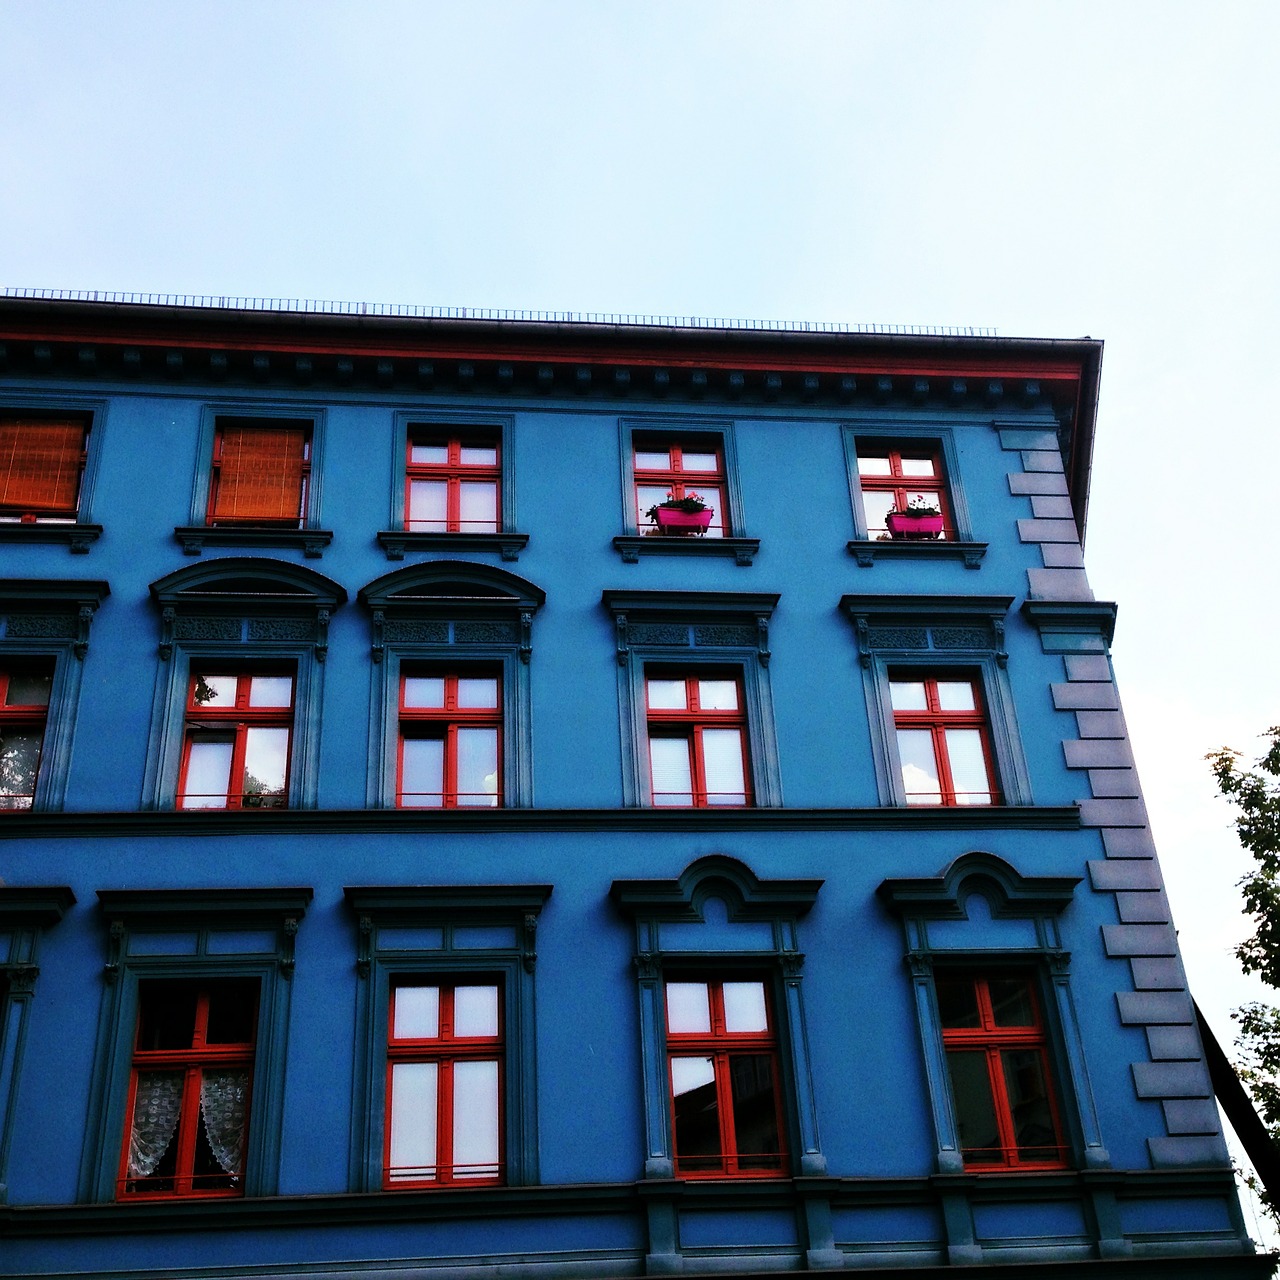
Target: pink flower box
(913, 527)
(674, 520)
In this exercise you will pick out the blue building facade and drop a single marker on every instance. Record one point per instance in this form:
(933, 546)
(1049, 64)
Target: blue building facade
(427, 854)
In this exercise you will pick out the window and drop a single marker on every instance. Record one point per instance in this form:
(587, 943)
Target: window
(697, 739)
(239, 730)
(444, 1084)
(725, 1105)
(261, 472)
(899, 476)
(941, 732)
(189, 1095)
(42, 460)
(450, 739)
(998, 1066)
(452, 483)
(25, 690)
(679, 470)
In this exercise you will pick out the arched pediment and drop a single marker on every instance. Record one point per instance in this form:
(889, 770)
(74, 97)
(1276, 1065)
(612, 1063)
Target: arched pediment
(247, 582)
(450, 583)
(1008, 892)
(745, 895)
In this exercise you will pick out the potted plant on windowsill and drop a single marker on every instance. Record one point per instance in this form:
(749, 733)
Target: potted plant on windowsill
(681, 516)
(919, 520)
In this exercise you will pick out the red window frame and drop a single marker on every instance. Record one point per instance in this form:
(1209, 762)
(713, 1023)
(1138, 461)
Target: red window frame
(188, 1141)
(235, 722)
(997, 1043)
(728, 1050)
(679, 483)
(453, 473)
(446, 1050)
(261, 472)
(18, 718)
(937, 721)
(904, 486)
(42, 462)
(690, 723)
(443, 723)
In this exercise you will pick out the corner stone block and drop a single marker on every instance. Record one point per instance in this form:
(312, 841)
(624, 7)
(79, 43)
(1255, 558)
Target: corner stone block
(1084, 667)
(1100, 724)
(1151, 907)
(1084, 697)
(1139, 940)
(1172, 1080)
(1062, 555)
(1113, 813)
(1114, 782)
(1041, 460)
(1158, 973)
(1155, 1008)
(1098, 753)
(1058, 584)
(1187, 1153)
(1123, 843)
(1124, 873)
(1051, 507)
(1034, 530)
(1191, 1115)
(1029, 438)
(1023, 484)
(1174, 1044)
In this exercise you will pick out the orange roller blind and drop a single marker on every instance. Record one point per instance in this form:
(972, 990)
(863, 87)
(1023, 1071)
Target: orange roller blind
(40, 464)
(261, 471)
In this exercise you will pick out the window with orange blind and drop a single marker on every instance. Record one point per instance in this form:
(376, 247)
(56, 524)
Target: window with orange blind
(41, 462)
(261, 471)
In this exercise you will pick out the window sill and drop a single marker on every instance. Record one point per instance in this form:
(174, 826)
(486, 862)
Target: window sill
(194, 538)
(395, 542)
(868, 552)
(632, 547)
(76, 536)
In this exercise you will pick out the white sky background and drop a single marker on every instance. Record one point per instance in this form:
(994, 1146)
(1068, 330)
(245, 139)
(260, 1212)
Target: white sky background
(1047, 169)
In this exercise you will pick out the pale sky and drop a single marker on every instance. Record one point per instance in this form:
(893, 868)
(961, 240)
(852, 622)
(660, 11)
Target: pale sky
(1049, 169)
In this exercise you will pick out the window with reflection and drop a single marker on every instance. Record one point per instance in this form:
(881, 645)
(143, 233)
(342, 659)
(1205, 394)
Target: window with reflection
(238, 735)
(998, 1064)
(261, 472)
(42, 461)
(903, 478)
(943, 740)
(25, 689)
(190, 1090)
(452, 483)
(725, 1099)
(450, 739)
(444, 1085)
(679, 469)
(697, 732)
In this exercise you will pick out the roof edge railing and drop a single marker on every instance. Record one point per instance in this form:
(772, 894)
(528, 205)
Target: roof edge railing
(310, 306)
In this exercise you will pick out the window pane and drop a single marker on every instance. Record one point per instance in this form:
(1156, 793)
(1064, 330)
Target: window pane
(424, 691)
(475, 1011)
(667, 695)
(475, 1120)
(718, 695)
(478, 509)
(957, 1002)
(876, 504)
(478, 767)
(968, 766)
(651, 460)
(481, 691)
(755, 1110)
(19, 765)
(975, 1111)
(649, 496)
(688, 1008)
(435, 455)
(166, 1015)
(722, 764)
(699, 461)
(214, 691)
(478, 455)
(271, 691)
(697, 1116)
(208, 775)
(871, 464)
(1024, 1081)
(28, 689)
(919, 768)
(413, 1121)
(712, 496)
(956, 695)
(908, 695)
(744, 1007)
(415, 1013)
(918, 467)
(671, 771)
(427, 505)
(1011, 1002)
(422, 773)
(233, 1013)
(266, 761)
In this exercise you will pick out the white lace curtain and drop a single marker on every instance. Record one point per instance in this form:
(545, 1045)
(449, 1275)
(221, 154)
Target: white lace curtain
(224, 1097)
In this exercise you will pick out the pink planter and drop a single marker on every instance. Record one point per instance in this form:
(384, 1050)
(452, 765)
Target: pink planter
(672, 519)
(913, 527)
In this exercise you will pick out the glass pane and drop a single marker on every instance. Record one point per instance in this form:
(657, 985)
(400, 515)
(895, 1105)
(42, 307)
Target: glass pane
(744, 1007)
(652, 460)
(1011, 1002)
(908, 695)
(427, 505)
(434, 455)
(413, 1121)
(968, 767)
(213, 691)
(975, 1110)
(957, 1003)
(424, 691)
(722, 763)
(918, 467)
(478, 509)
(19, 765)
(475, 1011)
(28, 689)
(271, 691)
(712, 496)
(688, 1007)
(919, 768)
(477, 691)
(266, 761)
(478, 767)
(697, 1115)
(649, 496)
(166, 1015)
(208, 775)
(922, 498)
(755, 1110)
(477, 455)
(1024, 1081)
(415, 1013)
(422, 773)
(233, 1013)
(956, 695)
(876, 504)
(691, 461)
(667, 695)
(718, 695)
(475, 1120)
(670, 771)
(874, 464)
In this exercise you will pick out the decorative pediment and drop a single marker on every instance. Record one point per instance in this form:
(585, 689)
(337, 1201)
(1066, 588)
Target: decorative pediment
(1008, 892)
(745, 895)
